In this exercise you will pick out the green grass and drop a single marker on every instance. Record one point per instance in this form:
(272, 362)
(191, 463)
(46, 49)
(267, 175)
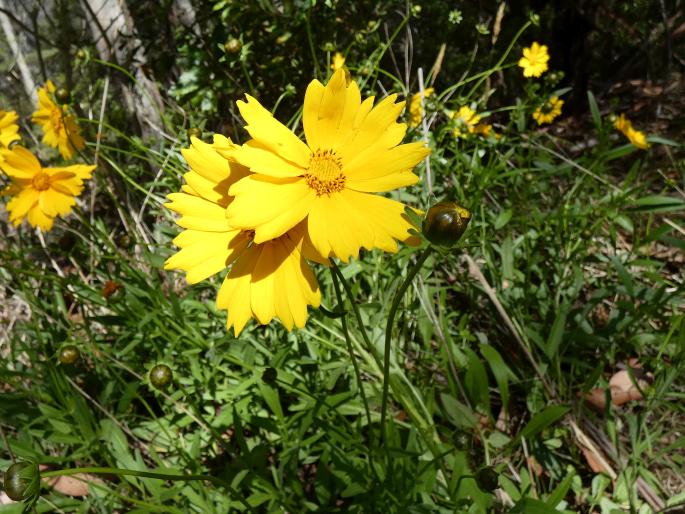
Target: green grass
(571, 266)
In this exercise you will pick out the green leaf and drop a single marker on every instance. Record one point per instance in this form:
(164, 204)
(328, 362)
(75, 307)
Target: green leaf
(476, 381)
(500, 371)
(560, 492)
(541, 421)
(531, 506)
(557, 332)
(594, 110)
(503, 218)
(457, 413)
(658, 203)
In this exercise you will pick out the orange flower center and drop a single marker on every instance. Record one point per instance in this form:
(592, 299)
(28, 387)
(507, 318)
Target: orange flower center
(41, 181)
(56, 119)
(324, 174)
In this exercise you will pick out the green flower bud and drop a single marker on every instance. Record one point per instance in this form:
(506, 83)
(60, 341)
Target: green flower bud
(194, 132)
(445, 223)
(487, 479)
(22, 481)
(269, 375)
(68, 354)
(233, 46)
(63, 95)
(161, 376)
(81, 54)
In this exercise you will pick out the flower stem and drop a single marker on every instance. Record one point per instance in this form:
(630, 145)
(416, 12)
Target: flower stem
(343, 320)
(144, 474)
(388, 331)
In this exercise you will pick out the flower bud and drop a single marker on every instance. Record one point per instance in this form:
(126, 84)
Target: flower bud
(487, 479)
(161, 376)
(233, 46)
(68, 354)
(445, 223)
(269, 375)
(62, 95)
(194, 132)
(22, 481)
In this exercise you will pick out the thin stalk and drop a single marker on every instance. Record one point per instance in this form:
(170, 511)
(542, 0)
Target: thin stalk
(343, 320)
(388, 331)
(143, 474)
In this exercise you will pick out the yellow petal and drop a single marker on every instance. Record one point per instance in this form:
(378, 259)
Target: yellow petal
(234, 294)
(384, 170)
(19, 162)
(20, 204)
(262, 160)
(55, 203)
(268, 205)
(37, 218)
(272, 134)
(198, 213)
(206, 161)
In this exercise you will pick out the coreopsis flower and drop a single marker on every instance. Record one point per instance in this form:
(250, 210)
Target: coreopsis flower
(534, 60)
(9, 130)
(338, 61)
(60, 129)
(352, 151)
(266, 280)
(636, 137)
(466, 121)
(548, 111)
(40, 194)
(415, 109)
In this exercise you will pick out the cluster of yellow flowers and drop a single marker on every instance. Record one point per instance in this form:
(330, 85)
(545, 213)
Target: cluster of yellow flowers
(636, 137)
(267, 207)
(535, 62)
(40, 194)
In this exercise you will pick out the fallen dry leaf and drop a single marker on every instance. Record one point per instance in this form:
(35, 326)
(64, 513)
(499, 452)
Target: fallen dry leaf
(74, 485)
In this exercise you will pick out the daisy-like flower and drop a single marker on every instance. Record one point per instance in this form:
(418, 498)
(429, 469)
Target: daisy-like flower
(415, 109)
(466, 120)
(266, 280)
(9, 130)
(40, 194)
(338, 61)
(60, 129)
(351, 152)
(548, 111)
(534, 60)
(636, 137)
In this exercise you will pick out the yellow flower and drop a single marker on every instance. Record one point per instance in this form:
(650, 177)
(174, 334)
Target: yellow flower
(338, 61)
(9, 130)
(484, 129)
(636, 137)
(546, 112)
(40, 194)
(466, 121)
(415, 110)
(534, 60)
(265, 280)
(60, 129)
(351, 151)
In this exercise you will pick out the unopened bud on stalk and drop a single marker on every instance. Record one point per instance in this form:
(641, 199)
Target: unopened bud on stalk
(63, 95)
(445, 223)
(161, 376)
(487, 479)
(22, 481)
(233, 46)
(194, 132)
(68, 354)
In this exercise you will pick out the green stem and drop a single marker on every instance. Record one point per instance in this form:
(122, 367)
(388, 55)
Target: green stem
(355, 309)
(143, 474)
(388, 331)
(343, 320)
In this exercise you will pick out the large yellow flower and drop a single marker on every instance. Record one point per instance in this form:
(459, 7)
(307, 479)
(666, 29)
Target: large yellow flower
(265, 280)
(415, 109)
(9, 130)
(59, 125)
(636, 137)
(40, 194)
(547, 112)
(534, 60)
(351, 151)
